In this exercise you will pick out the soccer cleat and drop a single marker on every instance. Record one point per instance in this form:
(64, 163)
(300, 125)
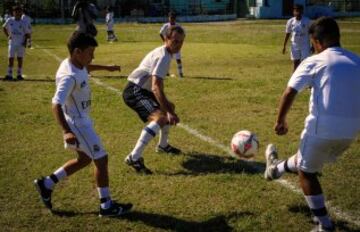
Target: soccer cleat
(19, 77)
(8, 78)
(45, 193)
(138, 165)
(115, 210)
(321, 228)
(168, 149)
(271, 157)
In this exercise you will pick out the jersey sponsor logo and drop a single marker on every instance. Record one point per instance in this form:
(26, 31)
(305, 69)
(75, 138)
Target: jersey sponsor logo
(86, 104)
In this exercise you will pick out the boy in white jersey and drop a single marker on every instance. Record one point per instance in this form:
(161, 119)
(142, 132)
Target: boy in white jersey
(71, 106)
(145, 94)
(163, 31)
(17, 32)
(334, 118)
(297, 27)
(109, 19)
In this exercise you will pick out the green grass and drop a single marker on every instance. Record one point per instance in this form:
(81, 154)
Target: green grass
(234, 77)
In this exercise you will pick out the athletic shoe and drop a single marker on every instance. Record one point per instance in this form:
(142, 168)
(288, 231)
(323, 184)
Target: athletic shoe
(321, 228)
(115, 210)
(8, 78)
(168, 149)
(138, 165)
(181, 75)
(45, 193)
(19, 77)
(271, 157)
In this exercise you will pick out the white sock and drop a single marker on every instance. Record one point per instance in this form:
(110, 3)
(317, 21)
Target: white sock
(289, 165)
(179, 68)
(9, 71)
(148, 133)
(104, 195)
(163, 136)
(57, 176)
(317, 207)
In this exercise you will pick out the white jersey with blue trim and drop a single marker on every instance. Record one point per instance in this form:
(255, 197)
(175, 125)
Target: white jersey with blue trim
(73, 91)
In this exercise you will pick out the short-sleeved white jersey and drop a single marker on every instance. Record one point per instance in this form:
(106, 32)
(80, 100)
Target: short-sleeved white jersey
(73, 91)
(27, 21)
(17, 30)
(334, 107)
(299, 30)
(109, 18)
(165, 27)
(155, 63)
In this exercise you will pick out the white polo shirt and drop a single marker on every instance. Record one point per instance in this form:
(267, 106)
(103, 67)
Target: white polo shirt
(299, 30)
(155, 63)
(73, 91)
(334, 78)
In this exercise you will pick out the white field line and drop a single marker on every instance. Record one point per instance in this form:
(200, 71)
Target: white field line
(334, 210)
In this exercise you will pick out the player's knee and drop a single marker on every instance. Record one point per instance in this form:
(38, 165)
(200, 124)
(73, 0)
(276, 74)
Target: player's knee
(84, 160)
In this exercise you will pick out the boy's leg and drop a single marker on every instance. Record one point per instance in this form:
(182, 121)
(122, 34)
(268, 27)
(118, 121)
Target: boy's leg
(179, 67)
(9, 74)
(19, 69)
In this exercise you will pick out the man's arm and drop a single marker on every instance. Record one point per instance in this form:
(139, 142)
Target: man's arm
(69, 137)
(287, 36)
(286, 102)
(110, 68)
(165, 105)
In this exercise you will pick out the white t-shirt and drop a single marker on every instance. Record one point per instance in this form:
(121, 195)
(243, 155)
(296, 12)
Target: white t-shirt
(334, 107)
(165, 27)
(27, 21)
(72, 91)
(17, 30)
(109, 18)
(155, 63)
(299, 30)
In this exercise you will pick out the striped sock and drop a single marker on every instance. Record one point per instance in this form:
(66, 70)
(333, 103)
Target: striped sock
(164, 134)
(148, 133)
(54, 178)
(288, 165)
(104, 195)
(317, 207)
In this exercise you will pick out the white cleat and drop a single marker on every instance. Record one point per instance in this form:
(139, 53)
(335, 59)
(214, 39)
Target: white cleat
(271, 157)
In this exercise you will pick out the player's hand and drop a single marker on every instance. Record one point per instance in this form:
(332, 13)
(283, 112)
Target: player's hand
(173, 118)
(281, 128)
(284, 50)
(70, 138)
(113, 68)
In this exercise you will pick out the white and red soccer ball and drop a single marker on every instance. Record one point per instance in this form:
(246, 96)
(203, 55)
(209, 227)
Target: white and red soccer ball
(245, 144)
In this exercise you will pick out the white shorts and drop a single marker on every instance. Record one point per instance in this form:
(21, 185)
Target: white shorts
(314, 152)
(299, 53)
(16, 50)
(89, 141)
(177, 56)
(110, 26)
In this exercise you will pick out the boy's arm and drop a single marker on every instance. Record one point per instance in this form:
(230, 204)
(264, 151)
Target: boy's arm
(6, 32)
(286, 102)
(162, 37)
(110, 68)
(287, 35)
(69, 137)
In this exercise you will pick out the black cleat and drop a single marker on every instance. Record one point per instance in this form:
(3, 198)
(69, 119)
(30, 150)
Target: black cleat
(8, 78)
(45, 193)
(115, 210)
(19, 77)
(168, 149)
(138, 165)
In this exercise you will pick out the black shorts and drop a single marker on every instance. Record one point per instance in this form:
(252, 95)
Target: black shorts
(142, 101)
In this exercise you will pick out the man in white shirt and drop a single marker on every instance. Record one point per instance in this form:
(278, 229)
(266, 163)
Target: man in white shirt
(17, 33)
(334, 114)
(109, 19)
(163, 30)
(145, 94)
(71, 106)
(297, 27)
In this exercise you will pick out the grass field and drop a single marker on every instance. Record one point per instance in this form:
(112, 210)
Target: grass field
(234, 76)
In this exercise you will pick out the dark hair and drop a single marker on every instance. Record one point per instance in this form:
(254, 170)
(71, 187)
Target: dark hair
(16, 7)
(176, 28)
(298, 7)
(81, 41)
(326, 30)
(172, 14)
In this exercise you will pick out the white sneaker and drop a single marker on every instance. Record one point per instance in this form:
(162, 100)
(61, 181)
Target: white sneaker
(271, 156)
(321, 228)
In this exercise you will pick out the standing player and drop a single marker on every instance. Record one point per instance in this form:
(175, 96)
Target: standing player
(334, 119)
(145, 94)
(163, 31)
(17, 32)
(26, 18)
(109, 19)
(297, 27)
(71, 106)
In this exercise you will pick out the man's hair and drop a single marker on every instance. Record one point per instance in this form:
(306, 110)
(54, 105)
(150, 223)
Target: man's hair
(298, 7)
(326, 30)
(16, 7)
(176, 28)
(172, 14)
(81, 41)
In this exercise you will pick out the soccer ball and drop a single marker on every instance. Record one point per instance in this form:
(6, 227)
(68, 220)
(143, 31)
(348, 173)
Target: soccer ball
(244, 144)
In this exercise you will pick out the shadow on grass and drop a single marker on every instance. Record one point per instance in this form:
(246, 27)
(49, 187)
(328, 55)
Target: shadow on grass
(209, 78)
(199, 163)
(341, 225)
(110, 76)
(69, 213)
(39, 80)
(218, 223)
